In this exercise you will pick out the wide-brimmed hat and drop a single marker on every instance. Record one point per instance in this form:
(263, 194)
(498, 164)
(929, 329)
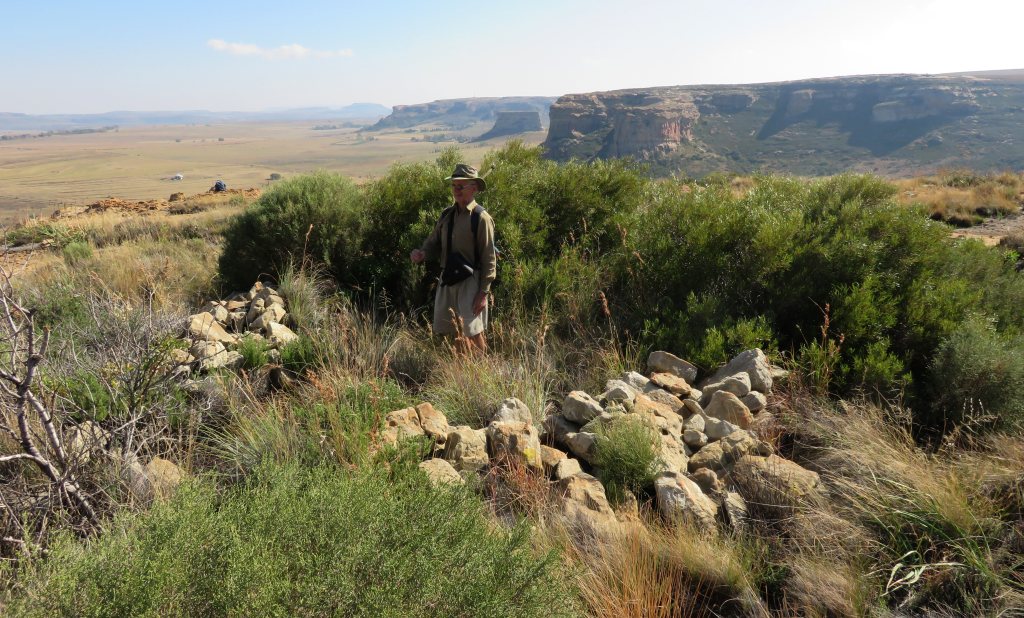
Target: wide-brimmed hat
(468, 172)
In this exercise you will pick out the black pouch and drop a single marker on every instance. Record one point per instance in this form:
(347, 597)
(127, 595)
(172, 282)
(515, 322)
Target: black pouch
(456, 269)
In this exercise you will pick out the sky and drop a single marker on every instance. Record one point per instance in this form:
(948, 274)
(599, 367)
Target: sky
(86, 57)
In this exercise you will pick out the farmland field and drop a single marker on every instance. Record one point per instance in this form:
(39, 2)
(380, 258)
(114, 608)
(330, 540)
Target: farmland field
(40, 175)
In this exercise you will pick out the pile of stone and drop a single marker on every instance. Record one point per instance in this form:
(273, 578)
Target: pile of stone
(214, 334)
(711, 462)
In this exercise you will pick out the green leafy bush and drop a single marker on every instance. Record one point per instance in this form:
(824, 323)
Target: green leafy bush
(301, 542)
(255, 352)
(316, 217)
(76, 252)
(628, 456)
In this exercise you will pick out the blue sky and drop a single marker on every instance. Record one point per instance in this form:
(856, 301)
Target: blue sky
(61, 56)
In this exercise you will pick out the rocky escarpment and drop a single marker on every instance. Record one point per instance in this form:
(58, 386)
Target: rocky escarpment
(888, 123)
(513, 123)
(459, 113)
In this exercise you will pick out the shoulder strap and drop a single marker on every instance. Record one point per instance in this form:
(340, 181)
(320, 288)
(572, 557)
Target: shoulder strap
(474, 225)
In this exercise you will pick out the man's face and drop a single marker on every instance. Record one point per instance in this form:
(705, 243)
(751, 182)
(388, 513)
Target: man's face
(463, 191)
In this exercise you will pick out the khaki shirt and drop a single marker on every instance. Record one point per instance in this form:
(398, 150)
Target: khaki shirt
(436, 245)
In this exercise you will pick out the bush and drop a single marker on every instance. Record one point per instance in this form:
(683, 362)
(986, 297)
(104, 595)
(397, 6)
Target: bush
(302, 542)
(76, 252)
(977, 373)
(255, 352)
(315, 218)
(628, 456)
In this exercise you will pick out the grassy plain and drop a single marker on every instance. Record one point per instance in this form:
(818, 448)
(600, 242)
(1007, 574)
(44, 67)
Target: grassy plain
(40, 175)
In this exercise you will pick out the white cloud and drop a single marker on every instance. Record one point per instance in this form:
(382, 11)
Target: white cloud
(283, 52)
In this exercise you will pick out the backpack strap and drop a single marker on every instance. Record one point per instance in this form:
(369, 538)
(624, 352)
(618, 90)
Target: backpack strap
(474, 226)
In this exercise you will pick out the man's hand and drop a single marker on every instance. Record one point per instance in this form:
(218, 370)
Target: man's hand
(417, 256)
(479, 302)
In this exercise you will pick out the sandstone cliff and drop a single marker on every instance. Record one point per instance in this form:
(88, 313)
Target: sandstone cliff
(458, 113)
(893, 123)
(513, 123)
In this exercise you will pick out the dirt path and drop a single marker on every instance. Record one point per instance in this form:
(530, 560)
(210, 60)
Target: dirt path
(993, 230)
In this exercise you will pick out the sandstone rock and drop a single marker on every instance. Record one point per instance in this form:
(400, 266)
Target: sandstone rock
(637, 381)
(618, 391)
(180, 357)
(279, 334)
(513, 123)
(209, 354)
(774, 480)
(694, 439)
(738, 385)
(691, 407)
(728, 407)
(673, 454)
(567, 467)
(232, 360)
(236, 321)
(440, 472)
(716, 428)
(737, 515)
(695, 422)
(204, 326)
(557, 428)
(176, 197)
(754, 401)
(273, 313)
(663, 362)
(400, 425)
(519, 442)
(256, 308)
(723, 453)
(217, 310)
(236, 305)
(164, 477)
(707, 480)
(666, 398)
(663, 416)
(583, 503)
(512, 410)
(605, 419)
(433, 423)
(466, 448)
(680, 498)
(583, 445)
(85, 440)
(550, 458)
(672, 383)
(751, 362)
(579, 407)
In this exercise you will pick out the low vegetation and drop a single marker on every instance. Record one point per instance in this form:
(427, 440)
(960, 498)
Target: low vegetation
(904, 344)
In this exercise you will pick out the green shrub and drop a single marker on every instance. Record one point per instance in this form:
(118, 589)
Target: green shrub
(88, 394)
(76, 252)
(315, 218)
(628, 456)
(978, 373)
(255, 352)
(301, 542)
(300, 355)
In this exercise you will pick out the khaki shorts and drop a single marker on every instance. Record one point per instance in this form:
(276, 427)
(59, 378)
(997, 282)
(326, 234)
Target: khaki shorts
(458, 298)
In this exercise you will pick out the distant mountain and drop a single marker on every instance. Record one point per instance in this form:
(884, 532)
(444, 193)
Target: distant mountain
(891, 124)
(460, 113)
(63, 122)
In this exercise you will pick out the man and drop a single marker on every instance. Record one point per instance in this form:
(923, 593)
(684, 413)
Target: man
(460, 305)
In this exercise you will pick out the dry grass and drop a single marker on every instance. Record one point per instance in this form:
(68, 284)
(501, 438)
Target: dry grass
(964, 199)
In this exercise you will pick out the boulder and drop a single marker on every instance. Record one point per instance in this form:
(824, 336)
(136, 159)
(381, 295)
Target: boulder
(273, 313)
(637, 381)
(85, 440)
(751, 362)
(433, 423)
(164, 477)
(728, 407)
(256, 308)
(672, 383)
(694, 439)
(466, 448)
(662, 415)
(400, 425)
(579, 407)
(695, 422)
(691, 407)
(512, 410)
(716, 428)
(566, 468)
(725, 452)
(236, 321)
(556, 428)
(236, 305)
(674, 455)
(583, 503)
(440, 472)
(177, 356)
(737, 515)
(583, 445)
(550, 457)
(209, 354)
(663, 362)
(666, 398)
(204, 327)
(738, 385)
(519, 442)
(680, 498)
(617, 391)
(279, 334)
(707, 480)
(774, 480)
(217, 310)
(755, 401)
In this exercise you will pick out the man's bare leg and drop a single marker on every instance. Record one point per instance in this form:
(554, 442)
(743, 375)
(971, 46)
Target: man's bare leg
(478, 342)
